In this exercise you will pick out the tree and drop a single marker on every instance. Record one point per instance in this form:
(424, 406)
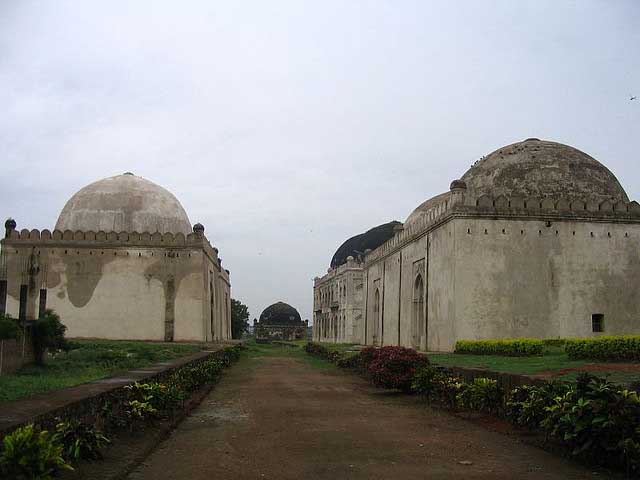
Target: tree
(239, 318)
(48, 333)
(8, 331)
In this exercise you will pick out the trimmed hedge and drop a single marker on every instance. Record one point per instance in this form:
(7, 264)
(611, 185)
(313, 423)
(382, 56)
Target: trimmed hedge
(604, 348)
(524, 347)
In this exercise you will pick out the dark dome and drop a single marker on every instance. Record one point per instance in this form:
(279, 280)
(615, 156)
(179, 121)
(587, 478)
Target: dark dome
(542, 168)
(356, 246)
(280, 314)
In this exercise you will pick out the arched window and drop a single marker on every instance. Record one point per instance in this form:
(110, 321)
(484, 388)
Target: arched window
(376, 317)
(417, 325)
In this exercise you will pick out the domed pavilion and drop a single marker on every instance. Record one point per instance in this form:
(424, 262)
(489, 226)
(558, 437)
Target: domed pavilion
(537, 239)
(123, 262)
(280, 321)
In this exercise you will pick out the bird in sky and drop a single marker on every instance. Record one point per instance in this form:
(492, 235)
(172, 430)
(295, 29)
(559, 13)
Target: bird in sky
(632, 97)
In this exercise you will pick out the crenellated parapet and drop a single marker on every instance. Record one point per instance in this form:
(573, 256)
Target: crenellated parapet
(103, 239)
(459, 203)
(550, 206)
(123, 239)
(351, 264)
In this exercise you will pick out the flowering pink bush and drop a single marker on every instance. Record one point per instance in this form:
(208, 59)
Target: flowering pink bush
(394, 367)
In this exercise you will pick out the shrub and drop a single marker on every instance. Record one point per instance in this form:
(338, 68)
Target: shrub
(31, 454)
(447, 390)
(138, 410)
(351, 361)
(8, 327)
(527, 405)
(425, 381)
(597, 421)
(604, 348)
(317, 350)
(8, 331)
(513, 348)
(80, 441)
(161, 396)
(368, 355)
(48, 333)
(484, 395)
(394, 367)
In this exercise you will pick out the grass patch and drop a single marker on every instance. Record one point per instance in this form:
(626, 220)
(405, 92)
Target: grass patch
(552, 360)
(89, 360)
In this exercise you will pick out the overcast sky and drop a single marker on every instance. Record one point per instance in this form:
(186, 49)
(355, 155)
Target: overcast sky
(287, 127)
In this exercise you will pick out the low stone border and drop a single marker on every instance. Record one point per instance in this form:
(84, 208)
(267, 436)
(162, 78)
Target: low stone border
(83, 402)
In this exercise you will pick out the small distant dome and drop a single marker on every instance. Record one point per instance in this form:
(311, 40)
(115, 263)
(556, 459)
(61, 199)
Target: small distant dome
(124, 203)
(458, 185)
(424, 206)
(542, 168)
(280, 313)
(356, 246)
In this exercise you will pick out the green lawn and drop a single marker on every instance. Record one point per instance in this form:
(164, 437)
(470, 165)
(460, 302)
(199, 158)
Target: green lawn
(91, 360)
(553, 360)
(289, 349)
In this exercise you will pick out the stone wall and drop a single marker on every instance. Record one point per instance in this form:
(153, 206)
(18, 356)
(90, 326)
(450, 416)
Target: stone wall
(505, 267)
(338, 301)
(122, 285)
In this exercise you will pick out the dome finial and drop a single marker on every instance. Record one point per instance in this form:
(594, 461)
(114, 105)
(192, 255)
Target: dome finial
(10, 226)
(198, 229)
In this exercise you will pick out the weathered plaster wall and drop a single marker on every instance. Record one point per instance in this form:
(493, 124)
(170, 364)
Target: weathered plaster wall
(391, 299)
(338, 299)
(375, 282)
(413, 263)
(121, 291)
(441, 307)
(526, 279)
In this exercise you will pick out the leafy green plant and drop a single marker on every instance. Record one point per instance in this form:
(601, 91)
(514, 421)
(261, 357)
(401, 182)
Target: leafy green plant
(527, 405)
(483, 394)
(32, 454)
(138, 410)
(161, 396)
(427, 380)
(597, 421)
(8, 331)
(48, 333)
(80, 441)
(514, 348)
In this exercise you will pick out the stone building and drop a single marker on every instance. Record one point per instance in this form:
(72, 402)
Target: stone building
(537, 239)
(123, 262)
(338, 296)
(280, 321)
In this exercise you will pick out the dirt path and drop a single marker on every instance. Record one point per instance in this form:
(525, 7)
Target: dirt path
(279, 418)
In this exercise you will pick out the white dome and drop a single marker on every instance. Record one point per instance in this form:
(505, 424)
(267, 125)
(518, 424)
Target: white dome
(124, 203)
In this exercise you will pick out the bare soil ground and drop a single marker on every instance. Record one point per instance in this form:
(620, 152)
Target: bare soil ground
(279, 418)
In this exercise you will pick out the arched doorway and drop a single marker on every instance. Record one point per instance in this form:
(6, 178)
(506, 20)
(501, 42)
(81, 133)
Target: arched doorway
(376, 317)
(417, 324)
